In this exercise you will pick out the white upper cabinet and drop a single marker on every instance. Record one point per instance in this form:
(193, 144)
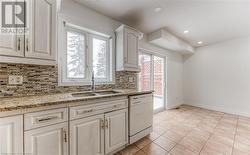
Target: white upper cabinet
(131, 54)
(11, 135)
(41, 20)
(127, 49)
(12, 45)
(38, 44)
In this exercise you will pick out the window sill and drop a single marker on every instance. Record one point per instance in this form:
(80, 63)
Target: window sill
(85, 83)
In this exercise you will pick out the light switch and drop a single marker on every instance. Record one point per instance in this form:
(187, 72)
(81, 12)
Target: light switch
(15, 79)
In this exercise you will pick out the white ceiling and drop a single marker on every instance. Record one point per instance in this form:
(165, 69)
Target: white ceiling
(210, 21)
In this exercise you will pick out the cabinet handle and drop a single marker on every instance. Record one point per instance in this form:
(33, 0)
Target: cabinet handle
(85, 111)
(102, 124)
(27, 44)
(107, 124)
(118, 106)
(46, 119)
(136, 102)
(65, 136)
(19, 44)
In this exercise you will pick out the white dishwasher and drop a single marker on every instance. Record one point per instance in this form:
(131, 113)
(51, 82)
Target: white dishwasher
(140, 116)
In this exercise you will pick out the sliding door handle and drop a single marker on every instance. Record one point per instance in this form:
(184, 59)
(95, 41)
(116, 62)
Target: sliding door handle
(19, 44)
(27, 44)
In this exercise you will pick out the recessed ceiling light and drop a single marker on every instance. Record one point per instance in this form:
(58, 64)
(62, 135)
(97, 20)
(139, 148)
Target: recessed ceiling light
(186, 31)
(200, 42)
(158, 9)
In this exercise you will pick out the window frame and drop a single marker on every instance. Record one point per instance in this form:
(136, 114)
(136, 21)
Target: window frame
(65, 78)
(89, 35)
(108, 55)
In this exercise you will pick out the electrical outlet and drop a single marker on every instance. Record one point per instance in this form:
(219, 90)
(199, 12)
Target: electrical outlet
(131, 79)
(15, 79)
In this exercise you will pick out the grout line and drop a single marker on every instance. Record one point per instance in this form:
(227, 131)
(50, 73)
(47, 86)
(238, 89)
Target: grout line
(210, 135)
(235, 134)
(141, 149)
(178, 143)
(156, 143)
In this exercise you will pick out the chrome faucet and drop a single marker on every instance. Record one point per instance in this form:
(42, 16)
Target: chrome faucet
(93, 81)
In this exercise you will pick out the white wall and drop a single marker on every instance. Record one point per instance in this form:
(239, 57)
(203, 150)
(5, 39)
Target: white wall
(217, 77)
(82, 16)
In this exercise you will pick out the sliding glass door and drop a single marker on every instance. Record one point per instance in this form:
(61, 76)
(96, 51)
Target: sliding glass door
(158, 83)
(152, 77)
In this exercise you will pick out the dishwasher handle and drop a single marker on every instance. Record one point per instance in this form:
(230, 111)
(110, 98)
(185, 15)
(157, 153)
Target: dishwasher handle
(138, 103)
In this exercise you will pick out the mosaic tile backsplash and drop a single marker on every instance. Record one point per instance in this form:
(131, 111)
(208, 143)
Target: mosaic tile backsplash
(44, 79)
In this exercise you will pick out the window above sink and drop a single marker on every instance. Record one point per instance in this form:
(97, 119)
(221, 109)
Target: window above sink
(83, 52)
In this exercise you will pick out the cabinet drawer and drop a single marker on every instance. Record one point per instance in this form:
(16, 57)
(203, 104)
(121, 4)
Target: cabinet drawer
(44, 118)
(140, 99)
(97, 108)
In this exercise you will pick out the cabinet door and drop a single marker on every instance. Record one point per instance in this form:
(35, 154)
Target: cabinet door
(87, 136)
(11, 45)
(131, 52)
(116, 132)
(11, 131)
(41, 18)
(50, 140)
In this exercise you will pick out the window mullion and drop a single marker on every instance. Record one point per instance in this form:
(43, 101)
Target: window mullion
(108, 59)
(89, 56)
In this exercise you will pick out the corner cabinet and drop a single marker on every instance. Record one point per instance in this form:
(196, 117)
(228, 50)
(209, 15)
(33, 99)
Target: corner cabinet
(38, 44)
(127, 49)
(11, 135)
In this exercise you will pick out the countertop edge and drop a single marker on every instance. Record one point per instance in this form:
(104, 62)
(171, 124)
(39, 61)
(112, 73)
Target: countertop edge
(67, 101)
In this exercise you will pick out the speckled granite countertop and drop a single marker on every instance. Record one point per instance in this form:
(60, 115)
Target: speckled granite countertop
(15, 103)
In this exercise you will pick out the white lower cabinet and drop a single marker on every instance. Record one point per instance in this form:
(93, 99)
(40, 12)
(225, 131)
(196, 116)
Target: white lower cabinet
(11, 135)
(49, 140)
(87, 136)
(99, 134)
(116, 134)
(88, 130)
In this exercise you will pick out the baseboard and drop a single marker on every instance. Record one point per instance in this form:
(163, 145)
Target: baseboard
(220, 109)
(173, 106)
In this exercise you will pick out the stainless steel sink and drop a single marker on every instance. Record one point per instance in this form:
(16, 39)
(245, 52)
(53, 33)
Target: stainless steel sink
(89, 94)
(106, 92)
(83, 94)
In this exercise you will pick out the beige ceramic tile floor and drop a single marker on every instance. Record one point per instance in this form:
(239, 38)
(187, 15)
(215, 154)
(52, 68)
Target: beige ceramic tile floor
(194, 131)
